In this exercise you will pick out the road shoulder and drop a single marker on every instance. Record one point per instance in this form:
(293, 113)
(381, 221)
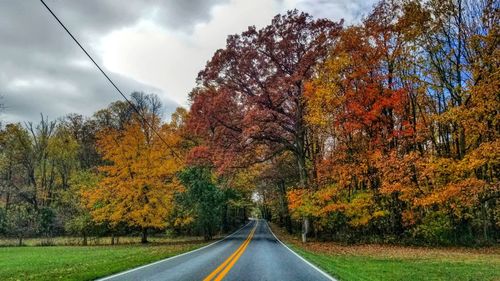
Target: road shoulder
(325, 274)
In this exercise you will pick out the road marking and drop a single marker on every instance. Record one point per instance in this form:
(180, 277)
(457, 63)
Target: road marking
(171, 258)
(226, 266)
(300, 257)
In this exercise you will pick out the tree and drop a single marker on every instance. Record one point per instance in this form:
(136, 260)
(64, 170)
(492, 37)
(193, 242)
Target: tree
(63, 150)
(40, 169)
(21, 222)
(271, 180)
(203, 198)
(3, 222)
(401, 138)
(250, 95)
(356, 113)
(83, 130)
(10, 163)
(138, 180)
(36, 163)
(75, 208)
(2, 106)
(30, 167)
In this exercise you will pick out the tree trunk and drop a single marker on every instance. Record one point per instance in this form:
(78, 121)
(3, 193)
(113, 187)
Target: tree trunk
(207, 235)
(301, 161)
(225, 223)
(485, 220)
(305, 229)
(245, 214)
(84, 243)
(20, 241)
(144, 237)
(285, 212)
(112, 238)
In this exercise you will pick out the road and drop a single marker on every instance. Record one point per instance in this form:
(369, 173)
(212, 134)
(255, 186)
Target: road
(251, 253)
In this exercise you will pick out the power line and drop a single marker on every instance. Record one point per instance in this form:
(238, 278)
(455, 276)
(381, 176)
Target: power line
(110, 81)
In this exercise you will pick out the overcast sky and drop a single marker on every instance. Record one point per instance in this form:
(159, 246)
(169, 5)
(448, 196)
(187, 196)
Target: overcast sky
(145, 45)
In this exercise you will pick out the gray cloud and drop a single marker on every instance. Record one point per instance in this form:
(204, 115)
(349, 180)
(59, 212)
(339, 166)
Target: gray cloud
(103, 15)
(351, 11)
(185, 14)
(43, 71)
(78, 90)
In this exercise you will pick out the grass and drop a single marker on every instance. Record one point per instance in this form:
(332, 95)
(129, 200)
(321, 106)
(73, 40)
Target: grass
(82, 262)
(93, 241)
(389, 262)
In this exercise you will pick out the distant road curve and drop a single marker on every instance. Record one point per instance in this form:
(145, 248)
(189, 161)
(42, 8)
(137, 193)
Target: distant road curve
(251, 253)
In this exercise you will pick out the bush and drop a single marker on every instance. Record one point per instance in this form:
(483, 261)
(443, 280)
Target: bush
(46, 218)
(435, 229)
(3, 222)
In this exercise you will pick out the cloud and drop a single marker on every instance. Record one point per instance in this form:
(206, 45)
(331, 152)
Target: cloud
(28, 97)
(171, 60)
(43, 71)
(147, 45)
(352, 11)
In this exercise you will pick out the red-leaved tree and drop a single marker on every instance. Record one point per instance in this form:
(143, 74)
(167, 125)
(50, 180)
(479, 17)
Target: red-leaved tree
(249, 104)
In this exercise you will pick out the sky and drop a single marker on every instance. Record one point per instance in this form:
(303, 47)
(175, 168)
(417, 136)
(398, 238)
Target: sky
(151, 46)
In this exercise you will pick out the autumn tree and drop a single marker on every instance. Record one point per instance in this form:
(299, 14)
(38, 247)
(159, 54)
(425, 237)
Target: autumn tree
(37, 161)
(41, 172)
(356, 111)
(83, 130)
(386, 130)
(392, 109)
(271, 180)
(139, 180)
(250, 94)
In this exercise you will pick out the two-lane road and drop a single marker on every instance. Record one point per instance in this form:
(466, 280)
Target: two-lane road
(251, 253)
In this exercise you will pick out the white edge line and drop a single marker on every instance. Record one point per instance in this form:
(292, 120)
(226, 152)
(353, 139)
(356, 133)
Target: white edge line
(170, 258)
(300, 257)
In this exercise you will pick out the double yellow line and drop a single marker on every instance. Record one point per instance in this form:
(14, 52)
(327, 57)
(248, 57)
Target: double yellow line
(224, 268)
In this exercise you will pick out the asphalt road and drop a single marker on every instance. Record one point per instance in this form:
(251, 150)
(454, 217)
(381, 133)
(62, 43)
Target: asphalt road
(251, 253)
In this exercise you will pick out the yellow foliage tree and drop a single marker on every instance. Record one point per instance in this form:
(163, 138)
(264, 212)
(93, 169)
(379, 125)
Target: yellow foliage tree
(139, 180)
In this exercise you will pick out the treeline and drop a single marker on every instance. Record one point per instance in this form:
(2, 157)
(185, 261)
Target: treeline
(122, 171)
(382, 131)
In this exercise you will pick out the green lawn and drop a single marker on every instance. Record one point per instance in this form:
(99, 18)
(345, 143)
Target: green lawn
(352, 267)
(81, 263)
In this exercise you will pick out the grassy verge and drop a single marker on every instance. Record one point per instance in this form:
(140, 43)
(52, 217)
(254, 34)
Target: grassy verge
(93, 241)
(387, 262)
(81, 263)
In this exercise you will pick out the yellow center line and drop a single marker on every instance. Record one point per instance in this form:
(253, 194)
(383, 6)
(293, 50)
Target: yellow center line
(224, 267)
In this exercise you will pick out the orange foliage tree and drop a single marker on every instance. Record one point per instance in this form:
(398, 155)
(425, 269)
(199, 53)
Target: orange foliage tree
(404, 113)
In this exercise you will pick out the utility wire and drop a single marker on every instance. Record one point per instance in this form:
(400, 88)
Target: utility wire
(111, 81)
